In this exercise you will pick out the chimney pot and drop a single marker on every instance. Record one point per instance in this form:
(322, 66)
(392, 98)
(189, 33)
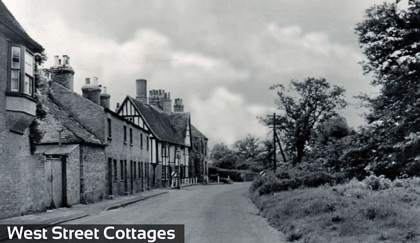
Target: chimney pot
(65, 60)
(56, 61)
(87, 80)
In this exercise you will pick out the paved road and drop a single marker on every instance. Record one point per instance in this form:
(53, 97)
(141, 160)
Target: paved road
(213, 214)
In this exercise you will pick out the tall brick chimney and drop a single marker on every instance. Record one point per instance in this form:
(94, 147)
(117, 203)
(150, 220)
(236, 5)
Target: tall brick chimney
(179, 105)
(141, 90)
(160, 99)
(62, 72)
(91, 90)
(105, 98)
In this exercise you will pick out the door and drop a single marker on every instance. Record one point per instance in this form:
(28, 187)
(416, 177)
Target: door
(53, 175)
(110, 176)
(131, 177)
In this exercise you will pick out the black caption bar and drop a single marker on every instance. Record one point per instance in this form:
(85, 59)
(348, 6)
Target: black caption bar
(140, 233)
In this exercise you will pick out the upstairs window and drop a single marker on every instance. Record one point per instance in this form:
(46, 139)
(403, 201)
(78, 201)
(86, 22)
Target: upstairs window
(125, 134)
(109, 128)
(131, 136)
(15, 69)
(141, 140)
(29, 73)
(22, 82)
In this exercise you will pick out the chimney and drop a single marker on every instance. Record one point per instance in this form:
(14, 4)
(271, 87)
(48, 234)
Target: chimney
(91, 90)
(179, 105)
(62, 74)
(56, 64)
(104, 97)
(141, 90)
(160, 99)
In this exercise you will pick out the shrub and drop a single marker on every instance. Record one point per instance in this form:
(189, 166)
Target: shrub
(376, 183)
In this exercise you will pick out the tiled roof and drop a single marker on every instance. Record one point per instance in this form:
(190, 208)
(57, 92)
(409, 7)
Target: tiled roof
(7, 19)
(196, 133)
(72, 131)
(169, 127)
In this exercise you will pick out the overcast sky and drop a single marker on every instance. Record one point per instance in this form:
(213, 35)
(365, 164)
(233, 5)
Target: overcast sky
(219, 56)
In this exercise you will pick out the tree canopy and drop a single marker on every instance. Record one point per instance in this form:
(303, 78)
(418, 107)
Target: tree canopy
(303, 105)
(390, 39)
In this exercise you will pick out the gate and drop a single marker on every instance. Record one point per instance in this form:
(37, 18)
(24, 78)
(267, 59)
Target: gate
(53, 175)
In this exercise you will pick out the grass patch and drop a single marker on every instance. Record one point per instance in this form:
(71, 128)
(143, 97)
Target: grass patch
(373, 210)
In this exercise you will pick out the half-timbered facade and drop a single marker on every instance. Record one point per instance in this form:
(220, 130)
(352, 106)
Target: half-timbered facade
(169, 138)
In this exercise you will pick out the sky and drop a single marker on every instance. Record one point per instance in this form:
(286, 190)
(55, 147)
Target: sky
(219, 56)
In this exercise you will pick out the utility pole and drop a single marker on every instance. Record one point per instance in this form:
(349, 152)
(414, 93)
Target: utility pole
(274, 143)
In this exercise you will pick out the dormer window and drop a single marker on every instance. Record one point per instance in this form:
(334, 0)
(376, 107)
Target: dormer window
(21, 82)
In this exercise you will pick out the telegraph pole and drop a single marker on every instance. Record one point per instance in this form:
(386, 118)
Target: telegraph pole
(274, 143)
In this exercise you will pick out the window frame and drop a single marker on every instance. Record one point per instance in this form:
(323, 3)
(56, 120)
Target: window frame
(22, 72)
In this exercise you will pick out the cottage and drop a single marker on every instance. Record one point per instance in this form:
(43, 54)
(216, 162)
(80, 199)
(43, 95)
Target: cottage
(59, 148)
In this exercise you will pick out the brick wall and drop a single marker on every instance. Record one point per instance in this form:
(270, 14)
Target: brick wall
(73, 177)
(132, 153)
(22, 183)
(93, 174)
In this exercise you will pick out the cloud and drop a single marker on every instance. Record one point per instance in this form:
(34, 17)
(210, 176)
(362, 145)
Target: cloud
(226, 116)
(220, 60)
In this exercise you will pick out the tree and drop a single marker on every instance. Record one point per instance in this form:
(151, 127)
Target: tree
(304, 104)
(248, 148)
(390, 38)
(223, 157)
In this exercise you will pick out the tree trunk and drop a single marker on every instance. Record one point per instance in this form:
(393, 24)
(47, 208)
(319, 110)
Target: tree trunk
(300, 146)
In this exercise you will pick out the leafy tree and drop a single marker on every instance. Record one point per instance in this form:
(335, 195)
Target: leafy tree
(305, 104)
(223, 157)
(390, 38)
(334, 128)
(248, 148)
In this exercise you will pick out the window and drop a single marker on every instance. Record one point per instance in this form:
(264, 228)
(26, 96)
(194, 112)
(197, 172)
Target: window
(140, 165)
(23, 82)
(135, 170)
(131, 136)
(115, 170)
(109, 128)
(122, 169)
(147, 143)
(125, 134)
(141, 140)
(15, 69)
(29, 73)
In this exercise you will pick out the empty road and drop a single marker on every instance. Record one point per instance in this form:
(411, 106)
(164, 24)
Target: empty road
(212, 213)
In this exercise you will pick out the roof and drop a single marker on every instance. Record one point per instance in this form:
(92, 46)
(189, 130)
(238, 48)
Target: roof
(56, 149)
(166, 126)
(8, 20)
(196, 133)
(59, 119)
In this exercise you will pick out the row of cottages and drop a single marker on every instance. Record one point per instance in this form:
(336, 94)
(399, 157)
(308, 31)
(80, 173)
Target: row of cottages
(59, 148)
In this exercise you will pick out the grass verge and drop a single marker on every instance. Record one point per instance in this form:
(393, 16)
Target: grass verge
(352, 212)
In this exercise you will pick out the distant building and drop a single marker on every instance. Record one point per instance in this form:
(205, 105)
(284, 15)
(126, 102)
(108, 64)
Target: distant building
(170, 140)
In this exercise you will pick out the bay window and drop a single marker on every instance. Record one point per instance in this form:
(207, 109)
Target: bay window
(22, 82)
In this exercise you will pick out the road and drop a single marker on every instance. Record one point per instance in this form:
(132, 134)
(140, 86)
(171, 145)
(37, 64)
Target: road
(212, 213)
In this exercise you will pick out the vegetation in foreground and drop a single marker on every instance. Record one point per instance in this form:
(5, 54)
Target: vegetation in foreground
(372, 210)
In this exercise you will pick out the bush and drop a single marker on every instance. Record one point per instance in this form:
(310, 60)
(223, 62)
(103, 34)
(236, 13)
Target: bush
(292, 179)
(376, 183)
